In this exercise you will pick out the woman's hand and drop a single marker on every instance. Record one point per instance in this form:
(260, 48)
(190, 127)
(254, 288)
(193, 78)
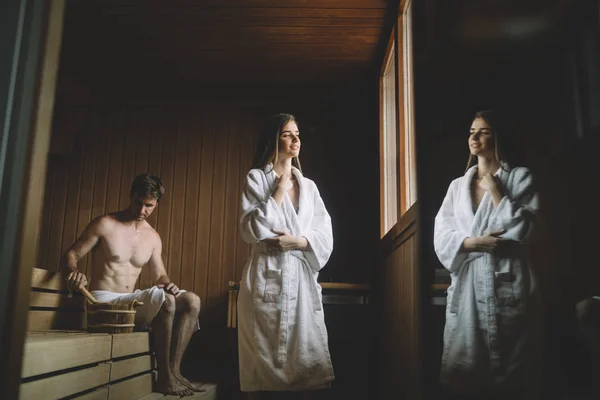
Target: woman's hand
(492, 184)
(487, 243)
(283, 185)
(285, 182)
(285, 241)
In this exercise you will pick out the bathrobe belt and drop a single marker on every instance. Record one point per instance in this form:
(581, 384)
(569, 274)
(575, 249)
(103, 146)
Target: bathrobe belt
(283, 323)
(490, 305)
(473, 256)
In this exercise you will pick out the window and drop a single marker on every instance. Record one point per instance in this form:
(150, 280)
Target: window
(407, 133)
(397, 133)
(389, 141)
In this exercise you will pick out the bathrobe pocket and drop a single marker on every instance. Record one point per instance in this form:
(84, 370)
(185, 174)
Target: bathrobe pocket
(505, 292)
(273, 284)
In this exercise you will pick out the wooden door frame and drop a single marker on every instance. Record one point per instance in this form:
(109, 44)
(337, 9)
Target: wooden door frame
(33, 29)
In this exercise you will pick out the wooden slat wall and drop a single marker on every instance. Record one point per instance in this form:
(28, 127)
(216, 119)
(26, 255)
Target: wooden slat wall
(198, 154)
(398, 349)
(202, 150)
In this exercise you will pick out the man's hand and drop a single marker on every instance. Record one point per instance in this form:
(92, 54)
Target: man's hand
(170, 288)
(76, 280)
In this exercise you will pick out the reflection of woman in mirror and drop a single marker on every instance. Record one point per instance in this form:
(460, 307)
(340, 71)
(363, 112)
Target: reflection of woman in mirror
(281, 329)
(493, 308)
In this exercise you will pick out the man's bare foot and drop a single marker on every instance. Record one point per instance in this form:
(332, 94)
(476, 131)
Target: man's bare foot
(176, 388)
(189, 384)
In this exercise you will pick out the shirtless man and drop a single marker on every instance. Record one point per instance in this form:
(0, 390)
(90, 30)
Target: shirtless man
(123, 243)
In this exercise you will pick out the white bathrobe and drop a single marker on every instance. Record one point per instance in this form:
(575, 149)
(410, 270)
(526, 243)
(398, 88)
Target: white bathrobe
(493, 314)
(281, 327)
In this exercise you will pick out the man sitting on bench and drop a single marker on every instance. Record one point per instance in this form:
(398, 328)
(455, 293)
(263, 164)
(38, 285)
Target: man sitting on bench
(123, 243)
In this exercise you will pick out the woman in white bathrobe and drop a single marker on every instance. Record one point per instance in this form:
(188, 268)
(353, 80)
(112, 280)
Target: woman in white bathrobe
(492, 337)
(281, 329)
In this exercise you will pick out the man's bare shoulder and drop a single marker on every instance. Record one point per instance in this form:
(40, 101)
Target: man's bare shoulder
(104, 223)
(151, 232)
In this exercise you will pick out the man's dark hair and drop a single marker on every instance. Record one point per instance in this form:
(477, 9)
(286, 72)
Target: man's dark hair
(147, 184)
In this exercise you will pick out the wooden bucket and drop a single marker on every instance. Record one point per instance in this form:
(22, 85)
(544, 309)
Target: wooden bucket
(109, 318)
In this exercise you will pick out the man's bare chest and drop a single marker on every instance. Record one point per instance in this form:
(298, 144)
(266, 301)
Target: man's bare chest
(128, 247)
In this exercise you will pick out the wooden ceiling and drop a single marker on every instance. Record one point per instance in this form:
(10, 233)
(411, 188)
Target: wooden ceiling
(508, 22)
(182, 42)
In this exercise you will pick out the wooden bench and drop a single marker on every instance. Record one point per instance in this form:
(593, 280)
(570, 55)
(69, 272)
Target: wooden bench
(61, 359)
(329, 296)
(97, 366)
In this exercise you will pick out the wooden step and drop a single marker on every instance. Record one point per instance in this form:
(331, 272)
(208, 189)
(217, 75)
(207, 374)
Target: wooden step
(209, 394)
(59, 386)
(126, 344)
(131, 366)
(96, 366)
(134, 388)
(98, 394)
(49, 353)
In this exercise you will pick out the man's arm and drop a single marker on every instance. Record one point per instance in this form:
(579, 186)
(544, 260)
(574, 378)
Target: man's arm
(88, 239)
(158, 273)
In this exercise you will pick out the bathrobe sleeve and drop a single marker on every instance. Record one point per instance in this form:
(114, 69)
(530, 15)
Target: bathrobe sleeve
(260, 214)
(518, 209)
(320, 235)
(447, 238)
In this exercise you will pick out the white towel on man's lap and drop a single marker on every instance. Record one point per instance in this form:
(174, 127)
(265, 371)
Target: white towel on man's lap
(153, 298)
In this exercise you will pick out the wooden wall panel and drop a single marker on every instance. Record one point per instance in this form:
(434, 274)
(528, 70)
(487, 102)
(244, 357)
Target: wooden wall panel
(201, 157)
(204, 212)
(217, 222)
(164, 208)
(44, 236)
(114, 159)
(102, 170)
(128, 161)
(247, 124)
(86, 193)
(69, 233)
(399, 348)
(231, 206)
(142, 145)
(177, 208)
(61, 171)
(190, 225)
(202, 153)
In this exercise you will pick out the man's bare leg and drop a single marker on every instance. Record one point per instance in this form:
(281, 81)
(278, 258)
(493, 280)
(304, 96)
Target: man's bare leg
(162, 327)
(187, 308)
